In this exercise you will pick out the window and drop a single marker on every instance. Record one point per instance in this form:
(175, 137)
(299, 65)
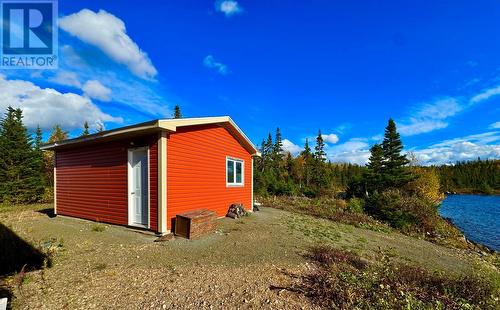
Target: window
(234, 172)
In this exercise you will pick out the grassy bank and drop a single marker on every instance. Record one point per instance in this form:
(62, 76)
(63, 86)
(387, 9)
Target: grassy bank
(351, 212)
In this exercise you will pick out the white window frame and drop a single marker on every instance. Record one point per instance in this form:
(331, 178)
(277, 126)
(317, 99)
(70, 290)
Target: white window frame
(234, 160)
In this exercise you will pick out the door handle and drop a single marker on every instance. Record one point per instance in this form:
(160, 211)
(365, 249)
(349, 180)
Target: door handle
(132, 193)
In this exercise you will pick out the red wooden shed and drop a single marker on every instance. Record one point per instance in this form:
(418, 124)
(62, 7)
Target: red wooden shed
(144, 175)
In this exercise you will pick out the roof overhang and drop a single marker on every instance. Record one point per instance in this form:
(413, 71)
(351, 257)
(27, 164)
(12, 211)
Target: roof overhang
(169, 125)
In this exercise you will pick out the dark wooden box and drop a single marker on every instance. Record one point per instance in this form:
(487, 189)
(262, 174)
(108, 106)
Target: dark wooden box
(194, 224)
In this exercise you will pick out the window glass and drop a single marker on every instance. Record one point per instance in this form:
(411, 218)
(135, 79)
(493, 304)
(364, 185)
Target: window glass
(239, 175)
(230, 171)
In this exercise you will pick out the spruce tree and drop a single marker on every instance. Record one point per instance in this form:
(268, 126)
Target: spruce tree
(85, 129)
(373, 176)
(394, 171)
(376, 160)
(57, 134)
(319, 149)
(319, 173)
(20, 177)
(307, 156)
(267, 151)
(177, 111)
(277, 152)
(278, 143)
(306, 153)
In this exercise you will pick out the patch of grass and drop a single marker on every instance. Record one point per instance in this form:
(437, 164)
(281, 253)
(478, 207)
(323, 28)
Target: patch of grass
(101, 266)
(98, 227)
(337, 210)
(26, 279)
(362, 240)
(7, 207)
(309, 227)
(50, 247)
(343, 280)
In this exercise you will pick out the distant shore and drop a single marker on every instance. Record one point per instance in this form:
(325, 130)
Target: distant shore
(469, 191)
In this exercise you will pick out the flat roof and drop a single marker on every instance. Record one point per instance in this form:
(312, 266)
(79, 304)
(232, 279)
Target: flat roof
(170, 125)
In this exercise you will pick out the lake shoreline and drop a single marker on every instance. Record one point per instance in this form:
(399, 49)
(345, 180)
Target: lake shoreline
(482, 247)
(476, 216)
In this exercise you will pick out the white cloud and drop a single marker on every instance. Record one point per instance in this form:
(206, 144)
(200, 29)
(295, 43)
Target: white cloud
(486, 94)
(482, 138)
(47, 107)
(331, 138)
(430, 116)
(228, 7)
(495, 125)
(460, 149)
(66, 78)
(289, 146)
(211, 63)
(108, 33)
(439, 109)
(355, 151)
(416, 127)
(94, 89)
(127, 89)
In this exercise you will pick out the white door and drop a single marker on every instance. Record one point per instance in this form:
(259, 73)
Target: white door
(138, 187)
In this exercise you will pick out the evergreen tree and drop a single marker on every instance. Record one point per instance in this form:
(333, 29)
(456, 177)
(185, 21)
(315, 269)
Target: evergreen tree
(177, 111)
(306, 153)
(85, 129)
(20, 177)
(57, 134)
(376, 160)
(319, 149)
(373, 176)
(394, 171)
(277, 151)
(319, 171)
(278, 144)
(307, 157)
(267, 150)
(38, 138)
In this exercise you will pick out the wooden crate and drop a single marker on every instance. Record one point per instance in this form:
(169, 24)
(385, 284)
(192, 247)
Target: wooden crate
(194, 224)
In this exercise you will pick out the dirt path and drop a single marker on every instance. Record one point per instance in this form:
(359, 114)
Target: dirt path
(119, 268)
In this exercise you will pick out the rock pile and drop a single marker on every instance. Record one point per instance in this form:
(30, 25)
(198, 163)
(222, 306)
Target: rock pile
(236, 210)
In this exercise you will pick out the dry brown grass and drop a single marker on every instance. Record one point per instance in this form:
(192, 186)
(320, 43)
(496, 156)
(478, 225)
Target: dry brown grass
(342, 280)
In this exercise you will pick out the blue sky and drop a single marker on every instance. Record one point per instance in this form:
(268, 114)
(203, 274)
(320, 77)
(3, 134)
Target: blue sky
(343, 67)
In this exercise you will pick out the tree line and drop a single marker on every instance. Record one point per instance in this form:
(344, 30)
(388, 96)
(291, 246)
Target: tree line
(478, 176)
(309, 173)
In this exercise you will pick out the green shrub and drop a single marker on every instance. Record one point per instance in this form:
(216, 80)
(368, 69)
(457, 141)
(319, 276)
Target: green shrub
(408, 213)
(355, 205)
(98, 227)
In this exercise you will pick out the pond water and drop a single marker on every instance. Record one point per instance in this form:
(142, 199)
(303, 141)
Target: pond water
(478, 216)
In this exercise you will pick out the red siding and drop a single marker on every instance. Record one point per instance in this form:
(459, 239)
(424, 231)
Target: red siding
(92, 181)
(196, 171)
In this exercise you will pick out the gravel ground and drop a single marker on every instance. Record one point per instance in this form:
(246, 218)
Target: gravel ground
(119, 268)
